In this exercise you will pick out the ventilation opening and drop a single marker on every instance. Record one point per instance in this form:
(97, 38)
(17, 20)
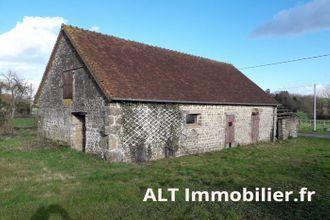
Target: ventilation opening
(192, 119)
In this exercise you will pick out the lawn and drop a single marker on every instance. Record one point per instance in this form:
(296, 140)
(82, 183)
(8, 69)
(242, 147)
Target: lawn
(39, 180)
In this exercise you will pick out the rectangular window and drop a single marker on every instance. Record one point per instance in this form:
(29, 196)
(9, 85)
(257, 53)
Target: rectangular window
(192, 118)
(67, 85)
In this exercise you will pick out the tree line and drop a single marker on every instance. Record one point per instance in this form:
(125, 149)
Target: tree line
(302, 105)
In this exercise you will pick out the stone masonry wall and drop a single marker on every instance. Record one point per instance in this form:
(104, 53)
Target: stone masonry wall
(288, 128)
(55, 114)
(210, 134)
(141, 132)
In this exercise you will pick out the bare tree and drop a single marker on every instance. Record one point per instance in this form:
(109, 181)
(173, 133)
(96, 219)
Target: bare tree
(16, 87)
(2, 85)
(2, 112)
(326, 92)
(30, 92)
(326, 101)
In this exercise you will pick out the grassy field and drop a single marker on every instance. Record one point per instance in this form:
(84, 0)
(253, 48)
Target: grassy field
(30, 122)
(40, 180)
(305, 127)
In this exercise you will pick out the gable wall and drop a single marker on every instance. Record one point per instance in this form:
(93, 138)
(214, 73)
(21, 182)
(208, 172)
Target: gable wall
(55, 116)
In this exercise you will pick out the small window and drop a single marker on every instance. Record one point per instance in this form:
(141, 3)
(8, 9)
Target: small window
(255, 111)
(192, 118)
(230, 123)
(67, 85)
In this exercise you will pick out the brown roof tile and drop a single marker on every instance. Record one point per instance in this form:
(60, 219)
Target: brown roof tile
(128, 70)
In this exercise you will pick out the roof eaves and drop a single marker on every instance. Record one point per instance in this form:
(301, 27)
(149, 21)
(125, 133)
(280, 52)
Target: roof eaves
(193, 102)
(248, 79)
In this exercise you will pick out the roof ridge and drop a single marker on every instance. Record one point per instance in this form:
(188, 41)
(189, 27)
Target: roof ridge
(149, 45)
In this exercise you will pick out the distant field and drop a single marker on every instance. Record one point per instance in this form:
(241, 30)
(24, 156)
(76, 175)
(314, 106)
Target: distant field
(30, 122)
(307, 127)
(39, 180)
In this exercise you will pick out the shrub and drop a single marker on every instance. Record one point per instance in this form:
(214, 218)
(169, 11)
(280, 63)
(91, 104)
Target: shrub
(6, 125)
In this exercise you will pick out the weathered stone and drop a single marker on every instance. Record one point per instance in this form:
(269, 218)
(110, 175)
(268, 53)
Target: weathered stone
(115, 156)
(149, 125)
(107, 130)
(287, 128)
(55, 116)
(115, 129)
(119, 120)
(111, 120)
(113, 142)
(115, 110)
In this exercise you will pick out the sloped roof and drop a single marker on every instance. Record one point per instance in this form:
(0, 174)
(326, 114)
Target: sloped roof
(128, 70)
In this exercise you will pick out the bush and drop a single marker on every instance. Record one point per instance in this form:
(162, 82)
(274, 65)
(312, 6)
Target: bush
(302, 115)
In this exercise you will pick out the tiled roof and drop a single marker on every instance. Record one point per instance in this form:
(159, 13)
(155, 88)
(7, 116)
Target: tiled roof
(128, 70)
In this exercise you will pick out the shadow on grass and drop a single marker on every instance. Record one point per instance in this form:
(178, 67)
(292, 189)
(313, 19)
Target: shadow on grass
(44, 213)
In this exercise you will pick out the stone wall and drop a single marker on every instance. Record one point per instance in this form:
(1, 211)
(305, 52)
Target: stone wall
(210, 134)
(287, 128)
(55, 118)
(140, 132)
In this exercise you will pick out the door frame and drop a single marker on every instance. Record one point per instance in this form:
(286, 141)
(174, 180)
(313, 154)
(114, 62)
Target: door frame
(78, 131)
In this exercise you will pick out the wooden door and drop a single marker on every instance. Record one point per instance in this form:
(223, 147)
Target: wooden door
(67, 85)
(230, 130)
(255, 127)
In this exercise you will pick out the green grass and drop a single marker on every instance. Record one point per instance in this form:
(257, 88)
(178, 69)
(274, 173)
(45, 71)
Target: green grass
(40, 180)
(25, 122)
(305, 127)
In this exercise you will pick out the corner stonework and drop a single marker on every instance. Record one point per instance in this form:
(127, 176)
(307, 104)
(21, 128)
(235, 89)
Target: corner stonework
(114, 131)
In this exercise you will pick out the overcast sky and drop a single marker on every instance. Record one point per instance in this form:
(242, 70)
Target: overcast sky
(243, 33)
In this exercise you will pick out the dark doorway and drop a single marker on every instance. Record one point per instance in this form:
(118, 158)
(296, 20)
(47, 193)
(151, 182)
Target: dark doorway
(78, 129)
(230, 130)
(255, 127)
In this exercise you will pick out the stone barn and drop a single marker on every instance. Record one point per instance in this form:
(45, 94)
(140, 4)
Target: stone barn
(131, 102)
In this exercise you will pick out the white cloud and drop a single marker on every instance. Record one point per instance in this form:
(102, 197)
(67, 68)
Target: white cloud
(26, 47)
(94, 28)
(309, 17)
